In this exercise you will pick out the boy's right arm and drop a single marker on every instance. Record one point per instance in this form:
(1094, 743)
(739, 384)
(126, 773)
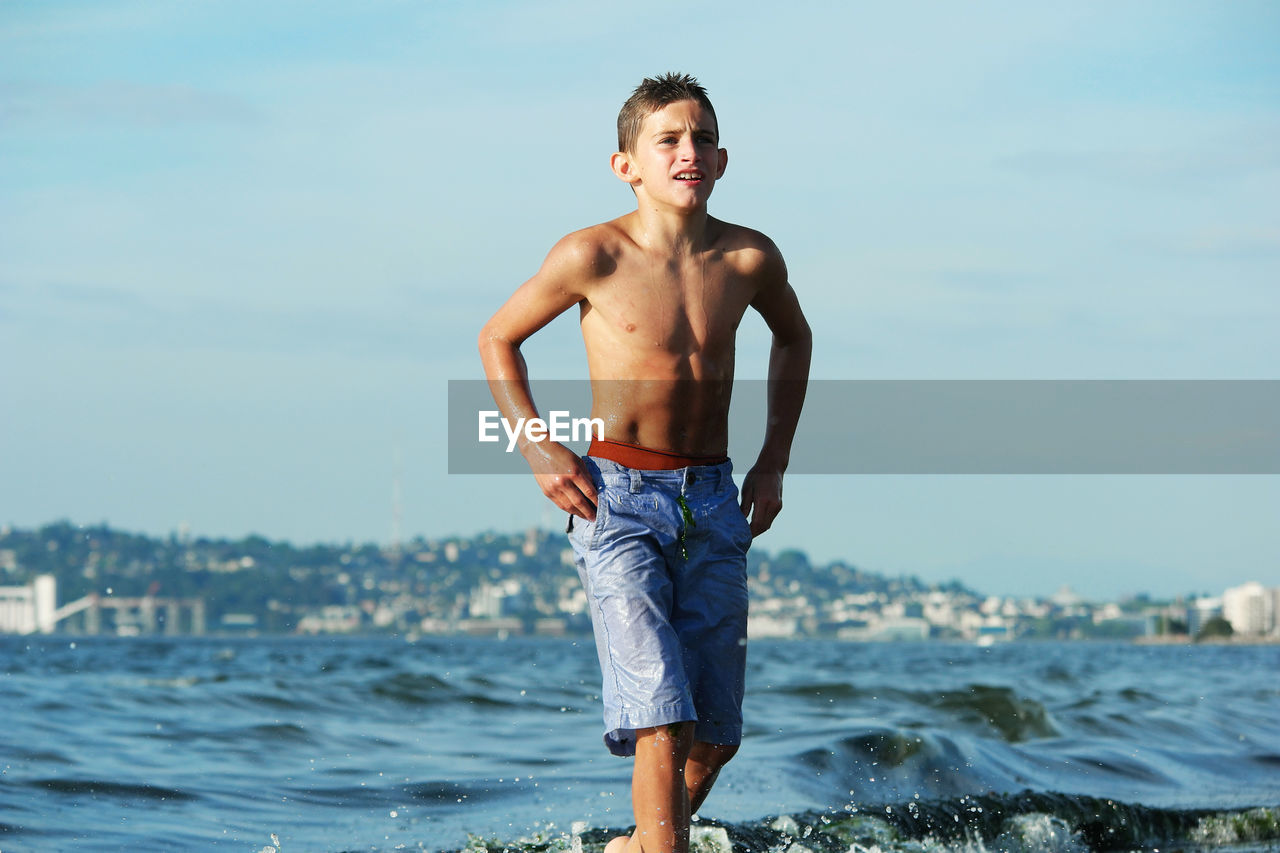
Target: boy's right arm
(560, 284)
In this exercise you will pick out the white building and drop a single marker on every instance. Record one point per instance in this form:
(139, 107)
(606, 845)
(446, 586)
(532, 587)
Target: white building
(1250, 608)
(31, 608)
(488, 599)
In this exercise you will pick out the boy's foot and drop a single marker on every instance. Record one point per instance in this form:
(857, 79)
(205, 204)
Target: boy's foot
(618, 845)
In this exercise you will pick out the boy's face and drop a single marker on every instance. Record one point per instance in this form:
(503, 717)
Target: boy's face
(677, 158)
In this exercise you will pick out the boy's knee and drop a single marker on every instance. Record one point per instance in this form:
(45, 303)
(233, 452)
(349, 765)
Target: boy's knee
(672, 737)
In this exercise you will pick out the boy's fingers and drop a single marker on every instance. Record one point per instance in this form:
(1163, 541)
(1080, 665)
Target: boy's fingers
(761, 505)
(587, 488)
(762, 518)
(565, 480)
(584, 498)
(583, 493)
(574, 493)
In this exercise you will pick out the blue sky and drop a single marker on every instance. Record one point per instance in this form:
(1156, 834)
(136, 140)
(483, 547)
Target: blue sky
(244, 246)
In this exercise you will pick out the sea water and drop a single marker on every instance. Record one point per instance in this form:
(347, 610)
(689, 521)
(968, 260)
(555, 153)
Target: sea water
(333, 744)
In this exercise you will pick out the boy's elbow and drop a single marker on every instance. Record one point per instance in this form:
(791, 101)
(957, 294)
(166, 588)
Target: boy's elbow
(805, 337)
(485, 342)
(489, 336)
(493, 342)
(798, 337)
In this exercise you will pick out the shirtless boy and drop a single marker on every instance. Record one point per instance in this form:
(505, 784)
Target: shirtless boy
(659, 535)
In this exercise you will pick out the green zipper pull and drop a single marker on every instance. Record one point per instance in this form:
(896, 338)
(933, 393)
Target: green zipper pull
(687, 522)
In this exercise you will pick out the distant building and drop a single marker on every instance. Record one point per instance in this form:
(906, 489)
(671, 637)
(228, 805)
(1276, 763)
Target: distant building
(330, 619)
(1200, 612)
(765, 625)
(496, 600)
(896, 630)
(29, 609)
(1066, 597)
(1250, 608)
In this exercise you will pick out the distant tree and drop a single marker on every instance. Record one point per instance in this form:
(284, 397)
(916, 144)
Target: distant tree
(1169, 626)
(1213, 628)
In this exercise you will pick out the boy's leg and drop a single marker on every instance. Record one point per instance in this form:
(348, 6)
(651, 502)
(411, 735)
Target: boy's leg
(700, 771)
(667, 789)
(658, 793)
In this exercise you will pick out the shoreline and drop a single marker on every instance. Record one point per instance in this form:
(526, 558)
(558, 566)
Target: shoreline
(1188, 640)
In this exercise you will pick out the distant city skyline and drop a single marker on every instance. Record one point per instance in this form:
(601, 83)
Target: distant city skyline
(102, 580)
(243, 247)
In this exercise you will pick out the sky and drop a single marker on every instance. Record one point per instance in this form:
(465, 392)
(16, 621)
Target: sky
(244, 247)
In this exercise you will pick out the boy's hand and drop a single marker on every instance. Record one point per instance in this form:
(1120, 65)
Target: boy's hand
(563, 478)
(761, 498)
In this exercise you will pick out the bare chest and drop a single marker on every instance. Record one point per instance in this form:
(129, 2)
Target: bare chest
(674, 307)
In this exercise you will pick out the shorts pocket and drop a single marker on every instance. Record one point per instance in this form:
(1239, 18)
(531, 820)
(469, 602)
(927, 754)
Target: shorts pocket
(741, 528)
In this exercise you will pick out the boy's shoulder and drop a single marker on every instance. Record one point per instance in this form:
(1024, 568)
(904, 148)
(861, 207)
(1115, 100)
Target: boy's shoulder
(741, 238)
(751, 252)
(594, 248)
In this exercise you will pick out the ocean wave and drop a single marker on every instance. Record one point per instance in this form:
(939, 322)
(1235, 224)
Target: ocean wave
(1016, 718)
(111, 790)
(1026, 822)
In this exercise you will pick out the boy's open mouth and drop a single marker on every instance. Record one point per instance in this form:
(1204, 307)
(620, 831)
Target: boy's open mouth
(689, 175)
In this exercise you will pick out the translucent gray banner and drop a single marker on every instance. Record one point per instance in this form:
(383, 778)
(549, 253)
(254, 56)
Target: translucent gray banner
(941, 426)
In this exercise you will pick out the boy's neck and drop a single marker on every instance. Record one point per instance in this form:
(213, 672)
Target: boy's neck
(674, 232)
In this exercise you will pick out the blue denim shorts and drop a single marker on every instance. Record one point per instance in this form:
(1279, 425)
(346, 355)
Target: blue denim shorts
(664, 568)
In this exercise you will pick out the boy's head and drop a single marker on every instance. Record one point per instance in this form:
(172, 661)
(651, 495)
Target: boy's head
(652, 95)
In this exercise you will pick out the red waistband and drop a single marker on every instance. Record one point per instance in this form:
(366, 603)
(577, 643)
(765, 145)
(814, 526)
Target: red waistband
(645, 459)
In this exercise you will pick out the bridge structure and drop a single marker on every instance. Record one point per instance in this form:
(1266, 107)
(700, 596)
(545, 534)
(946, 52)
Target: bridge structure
(33, 609)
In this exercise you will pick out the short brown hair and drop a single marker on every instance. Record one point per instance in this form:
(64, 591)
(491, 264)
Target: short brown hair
(653, 94)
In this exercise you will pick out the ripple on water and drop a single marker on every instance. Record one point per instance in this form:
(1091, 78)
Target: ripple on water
(1016, 718)
(413, 688)
(113, 790)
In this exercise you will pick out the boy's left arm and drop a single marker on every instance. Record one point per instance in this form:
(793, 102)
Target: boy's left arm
(788, 378)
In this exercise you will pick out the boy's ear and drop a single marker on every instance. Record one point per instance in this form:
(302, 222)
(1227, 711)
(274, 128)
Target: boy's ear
(722, 162)
(622, 166)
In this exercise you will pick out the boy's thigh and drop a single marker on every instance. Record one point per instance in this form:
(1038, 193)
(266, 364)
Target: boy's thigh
(710, 616)
(622, 560)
